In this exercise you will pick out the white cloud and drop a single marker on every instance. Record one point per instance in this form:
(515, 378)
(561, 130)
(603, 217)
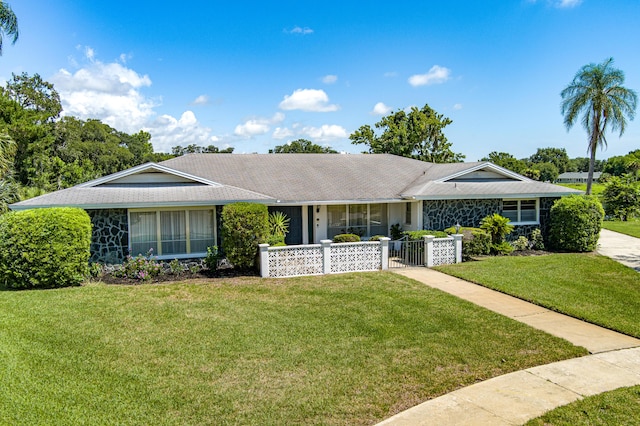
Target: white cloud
(329, 79)
(167, 132)
(201, 100)
(435, 75)
(381, 109)
(257, 126)
(112, 93)
(324, 133)
(299, 30)
(457, 107)
(282, 133)
(308, 100)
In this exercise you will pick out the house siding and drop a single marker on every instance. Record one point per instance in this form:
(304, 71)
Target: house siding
(109, 236)
(442, 214)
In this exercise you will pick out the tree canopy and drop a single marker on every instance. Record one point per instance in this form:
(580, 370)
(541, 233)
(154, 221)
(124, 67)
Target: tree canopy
(597, 95)
(302, 146)
(417, 134)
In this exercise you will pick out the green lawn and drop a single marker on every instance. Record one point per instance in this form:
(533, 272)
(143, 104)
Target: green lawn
(340, 349)
(629, 228)
(586, 286)
(618, 407)
(596, 188)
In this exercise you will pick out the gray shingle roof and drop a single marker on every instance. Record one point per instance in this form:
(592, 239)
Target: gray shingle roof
(118, 197)
(292, 178)
(307, 177)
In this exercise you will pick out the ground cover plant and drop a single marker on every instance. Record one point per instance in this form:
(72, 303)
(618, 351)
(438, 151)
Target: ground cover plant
(617, 407)
(631, 227)
(339, 349)
(586, 286)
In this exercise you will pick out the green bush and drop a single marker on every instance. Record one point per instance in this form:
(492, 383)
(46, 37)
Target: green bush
(497, 226)
(211, 261)
(346, 238)
(621, 198)
(521, 244)
(575, 223)
(44, 248)
(244, 226)
(141, 267)
(537, 241)
(376, 237)
(417, 235)
(475, 242)
(501, 249)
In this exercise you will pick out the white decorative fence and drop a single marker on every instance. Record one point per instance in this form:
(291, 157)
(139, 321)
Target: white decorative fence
(333, 258)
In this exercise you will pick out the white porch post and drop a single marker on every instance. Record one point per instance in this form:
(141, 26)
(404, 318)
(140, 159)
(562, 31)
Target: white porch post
(428, 250)
(264, 260)
(326, 256)
(457, 239)
(384, 245)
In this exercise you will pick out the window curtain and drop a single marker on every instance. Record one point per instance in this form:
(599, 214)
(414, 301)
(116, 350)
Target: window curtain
(336, 220)
(143, 233)
(173, 230)
(201, 230)
(378, 223)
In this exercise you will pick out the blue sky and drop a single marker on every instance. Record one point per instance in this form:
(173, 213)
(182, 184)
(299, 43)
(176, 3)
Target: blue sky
(254, 75)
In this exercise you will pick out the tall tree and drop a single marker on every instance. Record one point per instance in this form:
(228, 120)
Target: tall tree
(556, 156)
(302, 146)
(418, 134)
(506, 160)
(8, 24)
(597, 93)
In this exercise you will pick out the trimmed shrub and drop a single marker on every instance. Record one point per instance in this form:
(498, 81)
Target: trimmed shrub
(575, 223)
(417, 235)
(502, 249)
(44, 248)
(475, 242)
(376, 237)
(621, 198)
(346, 238)
(244, 226)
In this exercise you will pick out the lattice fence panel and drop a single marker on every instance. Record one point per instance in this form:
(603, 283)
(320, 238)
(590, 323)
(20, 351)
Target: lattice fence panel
(444, 251)
(295, 261)
(355, 257)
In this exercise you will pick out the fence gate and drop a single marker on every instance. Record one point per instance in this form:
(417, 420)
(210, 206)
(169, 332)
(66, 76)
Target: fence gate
(405, 253)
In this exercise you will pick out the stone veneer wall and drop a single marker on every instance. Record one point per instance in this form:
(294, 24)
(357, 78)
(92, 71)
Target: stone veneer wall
(442, 214)
(110, 235)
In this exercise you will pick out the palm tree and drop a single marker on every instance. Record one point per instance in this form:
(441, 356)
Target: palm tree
(597, 93)
(8, 23)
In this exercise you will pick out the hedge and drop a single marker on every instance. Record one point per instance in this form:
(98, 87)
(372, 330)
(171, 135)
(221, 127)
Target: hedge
(575, 223)
(244, 226)
(44, 248)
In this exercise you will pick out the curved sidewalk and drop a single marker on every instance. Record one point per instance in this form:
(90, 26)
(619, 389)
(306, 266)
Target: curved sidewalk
(620, 247)
(514, 398)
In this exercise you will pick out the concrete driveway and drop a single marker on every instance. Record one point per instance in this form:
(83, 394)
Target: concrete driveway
(620, 247)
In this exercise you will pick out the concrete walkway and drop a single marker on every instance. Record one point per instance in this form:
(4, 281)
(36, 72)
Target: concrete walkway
(514, 398)
(620, 247)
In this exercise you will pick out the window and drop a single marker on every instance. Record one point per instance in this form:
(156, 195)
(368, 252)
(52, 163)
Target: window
(407, 214)
(360, 219)
(520, 211)
(171, 232)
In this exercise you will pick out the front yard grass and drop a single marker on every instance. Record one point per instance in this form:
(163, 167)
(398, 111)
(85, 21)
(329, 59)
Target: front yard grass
(587, 286)
(340, 349)
(631, 227)
(617, 407)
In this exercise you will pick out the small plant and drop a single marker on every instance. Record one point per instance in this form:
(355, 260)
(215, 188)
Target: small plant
(346, 238)
(417, 235)
(501, 249)
(396, 231)
(213, 256)
(497, 226)
(141, 267)
(175, 267)
(194, 269)
(376, 238)
(96, 270)
(521, 244)
(537, 242)
(279, 224)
